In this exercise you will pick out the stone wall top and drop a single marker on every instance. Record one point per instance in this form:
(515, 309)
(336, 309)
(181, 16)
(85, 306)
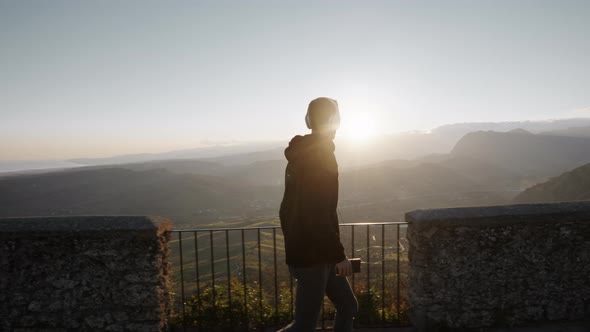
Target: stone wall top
(502, 214)
(15, 227)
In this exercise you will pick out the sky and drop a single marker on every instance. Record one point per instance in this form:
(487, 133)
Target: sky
(101, 78)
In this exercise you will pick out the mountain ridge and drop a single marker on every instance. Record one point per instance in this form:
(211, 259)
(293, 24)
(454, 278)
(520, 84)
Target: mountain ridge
(408, 145)
(533, 155)
(573, 185)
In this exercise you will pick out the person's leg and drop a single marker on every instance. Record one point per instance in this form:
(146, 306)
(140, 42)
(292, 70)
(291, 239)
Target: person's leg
(340, 293)
(311, 285)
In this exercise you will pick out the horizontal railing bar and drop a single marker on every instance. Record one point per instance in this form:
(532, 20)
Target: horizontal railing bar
(223, 229)
(278, 226)
(375, 223)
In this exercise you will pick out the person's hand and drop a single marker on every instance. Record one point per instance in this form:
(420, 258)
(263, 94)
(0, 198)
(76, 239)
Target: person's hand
(344, 268)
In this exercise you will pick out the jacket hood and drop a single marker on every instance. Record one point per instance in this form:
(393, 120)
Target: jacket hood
(305, 145)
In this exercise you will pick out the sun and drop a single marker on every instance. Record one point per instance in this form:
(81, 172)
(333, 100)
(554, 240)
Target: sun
(358, 127)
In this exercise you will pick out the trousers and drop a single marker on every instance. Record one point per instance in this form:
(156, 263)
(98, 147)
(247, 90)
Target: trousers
(313, 282)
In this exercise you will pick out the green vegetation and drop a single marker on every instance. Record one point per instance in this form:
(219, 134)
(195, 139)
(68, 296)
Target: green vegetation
(378, 299)
(223, 308)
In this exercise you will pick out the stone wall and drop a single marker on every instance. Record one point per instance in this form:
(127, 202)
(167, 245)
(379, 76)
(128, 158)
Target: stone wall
(84, 274)
(499, 266)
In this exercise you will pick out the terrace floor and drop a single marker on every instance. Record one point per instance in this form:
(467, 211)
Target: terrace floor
(547, 327)
(388, 329)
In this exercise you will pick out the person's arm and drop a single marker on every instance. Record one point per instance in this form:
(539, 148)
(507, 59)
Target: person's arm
(320, 200)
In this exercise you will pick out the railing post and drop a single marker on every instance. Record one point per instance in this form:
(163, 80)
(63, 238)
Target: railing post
(182, 281)
(212, 270)
(197, 277)
(260, 279)
(245, 317)
(274, 245)
(368, 268)
(397, 298)
(231, 318)
(382, 273)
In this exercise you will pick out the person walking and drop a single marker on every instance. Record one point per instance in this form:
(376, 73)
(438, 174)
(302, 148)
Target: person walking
(309, 221)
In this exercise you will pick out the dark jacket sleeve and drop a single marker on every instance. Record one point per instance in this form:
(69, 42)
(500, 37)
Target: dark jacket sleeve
(319, 204)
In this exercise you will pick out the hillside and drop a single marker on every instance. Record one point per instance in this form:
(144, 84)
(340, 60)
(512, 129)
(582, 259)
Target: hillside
(176, 166)
(484, 168)
(382, 181)
(572, 132)
(484, 173)
(526, 154)
(197, 192)
(386, 190)
(258, 173)
(569, 186)
(123, 191)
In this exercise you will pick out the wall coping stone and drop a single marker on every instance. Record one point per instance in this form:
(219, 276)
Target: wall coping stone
(488, 215)
(66, 225)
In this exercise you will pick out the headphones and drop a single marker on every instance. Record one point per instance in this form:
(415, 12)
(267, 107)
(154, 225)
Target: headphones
(334, 119)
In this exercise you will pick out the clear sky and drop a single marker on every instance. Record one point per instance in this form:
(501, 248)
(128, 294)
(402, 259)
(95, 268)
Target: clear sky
(98, 78)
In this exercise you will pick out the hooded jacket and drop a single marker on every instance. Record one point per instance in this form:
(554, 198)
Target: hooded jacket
(308, 211)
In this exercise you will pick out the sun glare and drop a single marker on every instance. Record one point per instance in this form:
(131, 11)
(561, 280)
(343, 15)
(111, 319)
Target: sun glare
(358, 127)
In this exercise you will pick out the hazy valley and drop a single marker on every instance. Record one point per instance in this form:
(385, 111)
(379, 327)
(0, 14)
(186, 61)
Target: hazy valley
(478, 168)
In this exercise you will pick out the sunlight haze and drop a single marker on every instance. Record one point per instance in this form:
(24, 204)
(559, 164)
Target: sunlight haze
(96, 79)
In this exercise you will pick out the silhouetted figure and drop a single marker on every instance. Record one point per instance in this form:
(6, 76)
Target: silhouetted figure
(309, 221)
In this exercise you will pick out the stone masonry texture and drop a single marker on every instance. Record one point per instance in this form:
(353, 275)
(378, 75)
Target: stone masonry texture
(89, 273)
(499, 266)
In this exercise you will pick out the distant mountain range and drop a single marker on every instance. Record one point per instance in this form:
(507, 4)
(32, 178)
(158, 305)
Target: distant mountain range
(193, 191)
(482, 168)
(9, 167)
(537, 127)
(571, 132)
(529, 155)
(209, 152)
(350, 154)
(174, 189)
(570, 186)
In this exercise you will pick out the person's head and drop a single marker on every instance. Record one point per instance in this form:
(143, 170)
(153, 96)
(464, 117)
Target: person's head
(323, 116)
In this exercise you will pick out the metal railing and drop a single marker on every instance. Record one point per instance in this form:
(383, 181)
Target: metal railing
(236, 278)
